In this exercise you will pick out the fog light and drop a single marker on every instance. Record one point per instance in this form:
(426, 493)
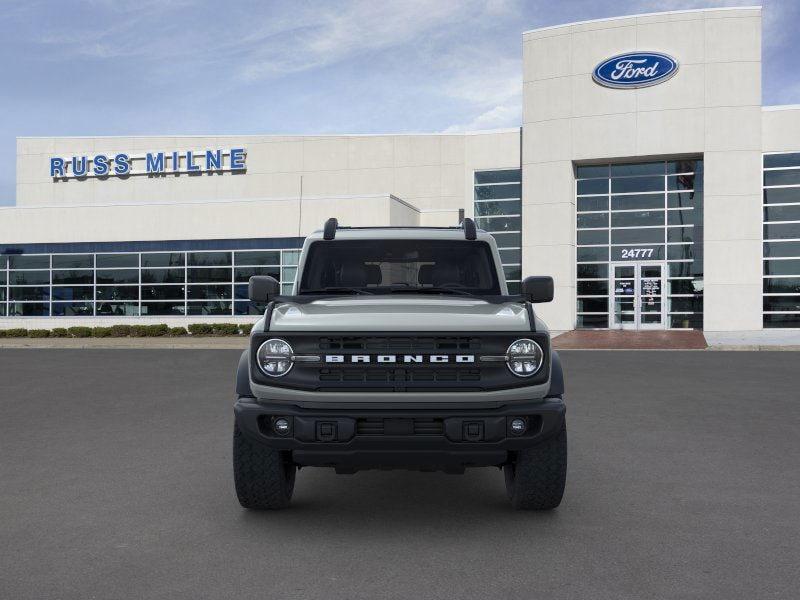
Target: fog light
(518, 426)
(281, 426)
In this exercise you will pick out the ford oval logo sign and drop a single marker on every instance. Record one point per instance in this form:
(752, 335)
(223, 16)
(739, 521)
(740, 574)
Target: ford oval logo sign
(635, 70)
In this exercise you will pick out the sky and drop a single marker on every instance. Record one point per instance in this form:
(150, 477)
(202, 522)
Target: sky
(170, 67)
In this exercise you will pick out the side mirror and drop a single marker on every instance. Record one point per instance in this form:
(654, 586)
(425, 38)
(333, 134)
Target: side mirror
(262, 288)
(538, 289)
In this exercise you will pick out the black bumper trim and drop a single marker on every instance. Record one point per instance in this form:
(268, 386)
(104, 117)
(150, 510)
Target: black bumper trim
(469, 436)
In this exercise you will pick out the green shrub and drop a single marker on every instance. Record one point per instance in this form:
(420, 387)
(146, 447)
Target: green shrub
(80, 332)
(201, 329)
(120, 330)
(177, 331)
(38, 333)
(149, 330)
(16, 332)
(101, 332)
(2, 333)
(224, 329)
(138, 331)
(246, 328)
(157, 330)
(59, 332)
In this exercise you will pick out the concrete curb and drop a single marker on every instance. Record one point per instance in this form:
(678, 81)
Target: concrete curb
(183, 343)
(755, 347)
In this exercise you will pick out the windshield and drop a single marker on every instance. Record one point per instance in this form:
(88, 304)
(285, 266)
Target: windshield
(396, 266)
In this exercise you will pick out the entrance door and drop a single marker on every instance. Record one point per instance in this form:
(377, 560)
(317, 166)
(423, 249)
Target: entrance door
(636, 299)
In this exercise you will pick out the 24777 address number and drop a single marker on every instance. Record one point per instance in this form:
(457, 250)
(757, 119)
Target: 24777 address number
(637, 252)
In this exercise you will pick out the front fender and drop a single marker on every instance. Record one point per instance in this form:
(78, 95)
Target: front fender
(243, 376)
(556, 377)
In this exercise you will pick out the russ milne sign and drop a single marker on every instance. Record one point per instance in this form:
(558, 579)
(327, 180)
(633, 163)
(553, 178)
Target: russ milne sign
(635, 70)
(152, 163)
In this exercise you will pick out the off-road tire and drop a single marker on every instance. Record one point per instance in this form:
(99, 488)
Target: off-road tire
(536, 477)
(264, 477)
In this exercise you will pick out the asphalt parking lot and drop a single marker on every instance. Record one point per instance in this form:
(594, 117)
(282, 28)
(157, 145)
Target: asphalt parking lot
(115, 482)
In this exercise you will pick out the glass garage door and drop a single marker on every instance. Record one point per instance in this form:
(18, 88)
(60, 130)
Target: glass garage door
(644, 215)
(781, 301)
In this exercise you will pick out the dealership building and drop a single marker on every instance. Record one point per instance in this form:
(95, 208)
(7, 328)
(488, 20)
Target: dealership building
(646, 177)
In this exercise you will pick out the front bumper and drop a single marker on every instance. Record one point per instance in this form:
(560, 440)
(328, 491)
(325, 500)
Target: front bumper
(447, 439)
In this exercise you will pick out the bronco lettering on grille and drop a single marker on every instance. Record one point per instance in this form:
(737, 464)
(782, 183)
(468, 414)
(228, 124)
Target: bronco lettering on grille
(399, 358)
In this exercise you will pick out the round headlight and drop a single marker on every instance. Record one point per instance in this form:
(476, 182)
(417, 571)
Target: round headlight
(524, 358)
(274, 357)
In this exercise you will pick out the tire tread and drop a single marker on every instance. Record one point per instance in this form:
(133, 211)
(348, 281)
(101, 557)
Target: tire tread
(262, 475)
(537, 478)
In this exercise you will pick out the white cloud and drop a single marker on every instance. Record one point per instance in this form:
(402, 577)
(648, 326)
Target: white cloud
(328, 36)
(497, 117)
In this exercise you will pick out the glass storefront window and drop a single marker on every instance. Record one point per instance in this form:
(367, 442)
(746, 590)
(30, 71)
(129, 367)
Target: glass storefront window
(29, 277)
(497, 206)
(73, 261)
(163, 292)
(257, 258)
(72, 309)
(243, 274)
(73, 277)
(163, 276)
(212, 275)
(32, 261)
(163, 259)
(117, 276)
(133, 284)
(81, 292)
(208, 259)
(115, 261)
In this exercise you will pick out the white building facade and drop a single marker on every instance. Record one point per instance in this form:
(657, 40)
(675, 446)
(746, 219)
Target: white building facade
(656, 190)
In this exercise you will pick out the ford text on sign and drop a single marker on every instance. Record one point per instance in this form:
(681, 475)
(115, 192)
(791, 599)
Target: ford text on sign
(635, 70)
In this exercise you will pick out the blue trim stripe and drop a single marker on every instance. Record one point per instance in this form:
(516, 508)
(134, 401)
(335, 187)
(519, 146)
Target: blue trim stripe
(154, 246)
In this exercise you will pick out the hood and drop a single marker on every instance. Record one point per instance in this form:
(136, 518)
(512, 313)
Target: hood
(400, 313)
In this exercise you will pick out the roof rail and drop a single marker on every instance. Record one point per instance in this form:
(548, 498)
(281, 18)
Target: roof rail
(329, 231)
(470, 230)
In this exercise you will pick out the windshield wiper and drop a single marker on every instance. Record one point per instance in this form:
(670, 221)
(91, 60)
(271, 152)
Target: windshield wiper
(337, 290)
(434, 290)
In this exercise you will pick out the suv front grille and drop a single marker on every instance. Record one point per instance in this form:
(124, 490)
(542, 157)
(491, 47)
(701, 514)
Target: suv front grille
(394, 375)
(400, 344)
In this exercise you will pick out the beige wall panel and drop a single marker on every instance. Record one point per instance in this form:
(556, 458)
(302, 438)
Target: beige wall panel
(590, 99)
(417, 150)
(656, 132)
(732, 38)
(593, 43)
(603, 136)
(370, 152)
(682, 39)
(274, 157)
(733, 83)
(325, 154)
(684, 90)
(370, 181)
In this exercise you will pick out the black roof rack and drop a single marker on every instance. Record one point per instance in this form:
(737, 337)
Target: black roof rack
(329, 232)
(470, 230)
(332, 225)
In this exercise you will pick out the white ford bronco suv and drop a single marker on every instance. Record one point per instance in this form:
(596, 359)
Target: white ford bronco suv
(400, 347)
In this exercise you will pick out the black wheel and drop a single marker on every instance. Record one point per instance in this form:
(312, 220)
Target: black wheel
(264, 477)
(535, 479)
